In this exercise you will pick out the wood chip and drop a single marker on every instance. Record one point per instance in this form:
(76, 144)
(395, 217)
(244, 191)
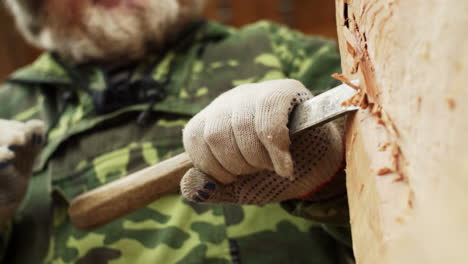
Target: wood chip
(384, 171)
(350, 49)
(344, 79)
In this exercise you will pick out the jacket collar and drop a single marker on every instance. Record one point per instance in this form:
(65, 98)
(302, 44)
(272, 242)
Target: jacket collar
(46, 70)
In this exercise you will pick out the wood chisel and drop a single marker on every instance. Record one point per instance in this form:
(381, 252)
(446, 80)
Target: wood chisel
(123, 196)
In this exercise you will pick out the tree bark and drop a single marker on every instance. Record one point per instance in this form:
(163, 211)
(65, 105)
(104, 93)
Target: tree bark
(407, 152)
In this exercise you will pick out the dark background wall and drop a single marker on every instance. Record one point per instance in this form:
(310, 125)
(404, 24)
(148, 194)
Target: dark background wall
(309, 16)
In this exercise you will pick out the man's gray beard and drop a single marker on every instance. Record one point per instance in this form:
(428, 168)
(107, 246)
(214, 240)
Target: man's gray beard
(114, 34)
(117, 34)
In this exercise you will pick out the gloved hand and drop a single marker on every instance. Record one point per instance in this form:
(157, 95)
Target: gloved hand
(240, 147)
(19, 145)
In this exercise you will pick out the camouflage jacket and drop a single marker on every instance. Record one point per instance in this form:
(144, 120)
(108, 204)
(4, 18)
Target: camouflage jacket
(86, 149)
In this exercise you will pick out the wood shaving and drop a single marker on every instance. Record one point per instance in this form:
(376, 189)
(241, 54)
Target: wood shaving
(376, 110)
(350, 49)
(355, 67)
(384, 171)
(388, 123)
(395, 156)
(396, 152)
(344, 79)
(364, 102)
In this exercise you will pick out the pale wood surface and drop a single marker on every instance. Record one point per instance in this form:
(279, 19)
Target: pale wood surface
(411, 58)
(119, 198)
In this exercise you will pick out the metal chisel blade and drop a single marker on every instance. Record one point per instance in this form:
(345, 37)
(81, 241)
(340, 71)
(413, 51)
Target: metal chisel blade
(322, 108)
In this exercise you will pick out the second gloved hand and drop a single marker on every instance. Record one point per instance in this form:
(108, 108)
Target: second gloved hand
(20, 143)
(240, 147)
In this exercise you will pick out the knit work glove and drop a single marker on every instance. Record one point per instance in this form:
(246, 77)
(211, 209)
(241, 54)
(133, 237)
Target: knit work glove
(240, 147)
(19, 145)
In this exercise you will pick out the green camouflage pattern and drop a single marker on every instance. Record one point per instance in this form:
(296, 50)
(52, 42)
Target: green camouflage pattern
(86, 150)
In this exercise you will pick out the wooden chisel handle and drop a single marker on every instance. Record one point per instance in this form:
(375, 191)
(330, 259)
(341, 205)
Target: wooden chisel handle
(118, 198)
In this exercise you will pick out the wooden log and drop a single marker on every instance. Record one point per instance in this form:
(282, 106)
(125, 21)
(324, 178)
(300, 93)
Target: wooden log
(407, 152)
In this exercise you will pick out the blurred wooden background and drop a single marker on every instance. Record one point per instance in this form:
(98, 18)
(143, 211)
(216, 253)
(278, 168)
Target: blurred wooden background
(309, 16)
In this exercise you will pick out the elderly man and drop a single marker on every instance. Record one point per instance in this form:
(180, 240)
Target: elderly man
(111, 94)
